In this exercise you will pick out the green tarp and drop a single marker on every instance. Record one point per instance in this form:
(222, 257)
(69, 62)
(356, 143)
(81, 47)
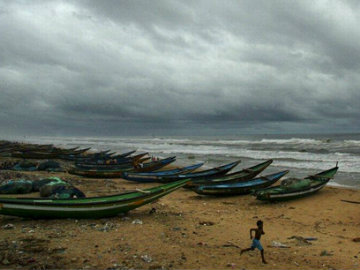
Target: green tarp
(16, 187)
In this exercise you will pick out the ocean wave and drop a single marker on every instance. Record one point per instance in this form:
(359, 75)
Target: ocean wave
(243, 142)
(293, 141)
(352, 142)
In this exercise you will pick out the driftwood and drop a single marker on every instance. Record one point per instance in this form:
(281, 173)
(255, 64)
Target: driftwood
(350, 201)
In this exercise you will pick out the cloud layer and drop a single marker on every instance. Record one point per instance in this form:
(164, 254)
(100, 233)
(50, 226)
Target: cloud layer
(127, 67)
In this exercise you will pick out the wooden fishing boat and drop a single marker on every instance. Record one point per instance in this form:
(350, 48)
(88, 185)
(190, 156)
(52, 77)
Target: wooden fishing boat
(239, 188)
(84, 157)
(64, 150)
(35, 155)
(154, 176)
(74, 154)
(99, 173)
(118, 173)
(47, 153)
(116, 166)
(80, 151)
(107, 163)
(154, 165)
(92, 207)
(16, 147)
(213, 172)
(296, 188)
(243, 175)
(93, 162)
(125, 154)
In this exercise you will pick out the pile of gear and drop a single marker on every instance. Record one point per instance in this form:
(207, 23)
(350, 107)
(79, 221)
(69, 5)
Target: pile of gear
(52, 187)
(25, 165)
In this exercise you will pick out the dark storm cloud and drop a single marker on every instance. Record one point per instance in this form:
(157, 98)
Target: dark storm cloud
(119, 65)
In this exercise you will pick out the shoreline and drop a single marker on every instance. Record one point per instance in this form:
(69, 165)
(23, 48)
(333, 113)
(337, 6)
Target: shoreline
(342, 186)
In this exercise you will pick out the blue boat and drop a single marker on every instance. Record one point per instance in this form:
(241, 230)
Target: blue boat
(217, 171)
(238, 188)
(153, 176)
(118, 173)
(239, 176)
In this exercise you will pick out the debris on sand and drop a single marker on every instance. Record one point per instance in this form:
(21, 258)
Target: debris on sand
(206, 223)
(146, 258)
(8, 226)
(278, 245)
(300, 241)
(137, 221)
(325, 253)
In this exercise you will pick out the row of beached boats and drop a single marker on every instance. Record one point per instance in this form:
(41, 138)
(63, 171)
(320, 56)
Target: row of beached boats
(49, 151)
(215, 182)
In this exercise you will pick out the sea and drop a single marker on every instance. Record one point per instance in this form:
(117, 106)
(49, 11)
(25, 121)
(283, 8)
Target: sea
(302, 154)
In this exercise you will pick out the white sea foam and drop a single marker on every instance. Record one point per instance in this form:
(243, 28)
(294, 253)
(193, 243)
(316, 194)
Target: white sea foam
(352, 142)
(240, 142)
(186, 141)
(292, 141)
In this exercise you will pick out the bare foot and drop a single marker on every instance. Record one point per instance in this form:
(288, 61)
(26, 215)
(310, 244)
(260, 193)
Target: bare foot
(264, 262)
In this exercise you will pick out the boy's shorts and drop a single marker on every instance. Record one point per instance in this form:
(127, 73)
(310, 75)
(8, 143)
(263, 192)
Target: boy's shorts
(256, 244)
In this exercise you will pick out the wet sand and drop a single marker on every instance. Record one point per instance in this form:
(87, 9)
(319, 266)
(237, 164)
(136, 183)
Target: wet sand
(187, 231)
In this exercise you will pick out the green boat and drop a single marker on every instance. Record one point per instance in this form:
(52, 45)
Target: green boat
(296, 188)
(118, 173)
(239, 188)
(239, 176)
(35, 155)
(92, 207)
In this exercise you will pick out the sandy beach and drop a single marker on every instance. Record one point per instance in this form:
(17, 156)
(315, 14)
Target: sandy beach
(186, 231)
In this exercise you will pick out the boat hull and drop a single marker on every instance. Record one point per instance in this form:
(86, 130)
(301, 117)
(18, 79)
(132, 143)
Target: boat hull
(98, 207)
(118, 173)
(214, 172)
(291, 195)
(283, 193)
(240, 188)
(240, 176)
(154, 176)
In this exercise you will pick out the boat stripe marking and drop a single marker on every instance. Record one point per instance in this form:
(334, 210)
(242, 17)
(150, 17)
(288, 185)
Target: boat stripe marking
(138, 202)
(295, 193)
(142, 176)
(64, 209)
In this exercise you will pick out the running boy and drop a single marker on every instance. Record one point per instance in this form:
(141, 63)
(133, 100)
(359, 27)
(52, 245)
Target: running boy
(256, 241)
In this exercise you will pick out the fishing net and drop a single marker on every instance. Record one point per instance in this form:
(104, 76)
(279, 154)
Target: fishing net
(48, 165)
(16, 187)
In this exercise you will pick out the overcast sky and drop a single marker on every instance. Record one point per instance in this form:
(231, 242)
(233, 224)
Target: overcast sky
(179, 67)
